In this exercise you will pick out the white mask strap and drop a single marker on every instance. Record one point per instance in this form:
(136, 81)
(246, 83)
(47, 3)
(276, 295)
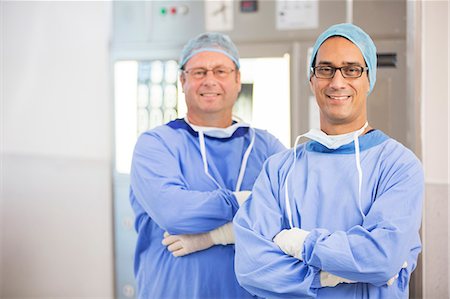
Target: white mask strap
(201, 140)
(244, 161)
(286, 192)
(358, 165)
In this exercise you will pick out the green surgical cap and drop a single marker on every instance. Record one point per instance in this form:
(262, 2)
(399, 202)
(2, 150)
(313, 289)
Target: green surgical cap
(209, 42)
(357, 36)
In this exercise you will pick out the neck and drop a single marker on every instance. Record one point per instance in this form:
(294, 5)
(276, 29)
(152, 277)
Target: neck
(338, 129)
(210, 120)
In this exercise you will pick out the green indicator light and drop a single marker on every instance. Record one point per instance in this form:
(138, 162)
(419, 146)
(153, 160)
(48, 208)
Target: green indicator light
(163, 11)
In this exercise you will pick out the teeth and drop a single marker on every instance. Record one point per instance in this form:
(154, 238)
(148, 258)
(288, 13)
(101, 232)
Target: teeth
(339, 98)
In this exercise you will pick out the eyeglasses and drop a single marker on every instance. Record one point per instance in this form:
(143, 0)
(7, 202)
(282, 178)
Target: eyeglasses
(220, 72)
(348, 71)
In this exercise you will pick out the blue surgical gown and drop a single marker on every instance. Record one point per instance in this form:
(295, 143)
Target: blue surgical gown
(170, 192)
(323, 196)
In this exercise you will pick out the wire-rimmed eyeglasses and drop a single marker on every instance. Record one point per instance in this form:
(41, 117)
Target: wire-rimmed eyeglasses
(220, 72)
(348, 71)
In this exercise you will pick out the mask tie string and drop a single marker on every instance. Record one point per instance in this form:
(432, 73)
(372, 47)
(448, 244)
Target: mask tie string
(201, 140)
(358, 166)
(245, 159)
(286, 192)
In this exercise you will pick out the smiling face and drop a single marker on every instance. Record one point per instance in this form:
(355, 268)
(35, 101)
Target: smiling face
(210, 100)
(342, 101)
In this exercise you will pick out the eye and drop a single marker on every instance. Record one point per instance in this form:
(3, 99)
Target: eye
(198, 73)
(325, 69)
(352, 70)
(220, 71)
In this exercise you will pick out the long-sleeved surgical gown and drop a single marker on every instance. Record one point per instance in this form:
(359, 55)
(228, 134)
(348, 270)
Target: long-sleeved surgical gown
(365, 241)
(171, 192)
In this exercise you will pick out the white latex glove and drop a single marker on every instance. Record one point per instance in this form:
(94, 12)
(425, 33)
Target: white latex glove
(223, 235)
(242, 196)
(391, 281)
(291, 241)
(181, 245)
(331, 280)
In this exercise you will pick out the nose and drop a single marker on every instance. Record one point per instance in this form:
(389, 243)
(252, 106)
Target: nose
(209, 79)
(338, 81)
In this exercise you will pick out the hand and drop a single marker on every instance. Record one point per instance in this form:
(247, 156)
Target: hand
(181, 245)
(331, 280)
(242, 196)
(223, 235)
(291, 241)
(391, 281)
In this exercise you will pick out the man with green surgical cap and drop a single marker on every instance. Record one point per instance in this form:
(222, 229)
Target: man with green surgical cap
(189, 177)
(339, 215)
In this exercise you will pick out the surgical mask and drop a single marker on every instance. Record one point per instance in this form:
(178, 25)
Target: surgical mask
(218, 132)
(331, 142)
(223, 133)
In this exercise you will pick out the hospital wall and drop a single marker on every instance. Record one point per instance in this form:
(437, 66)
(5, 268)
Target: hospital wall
(56, 227)
(56, 200)
(435, 128)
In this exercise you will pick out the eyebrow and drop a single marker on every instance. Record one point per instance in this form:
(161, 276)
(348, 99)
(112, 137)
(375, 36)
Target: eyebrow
(214, 67)
(345, 63)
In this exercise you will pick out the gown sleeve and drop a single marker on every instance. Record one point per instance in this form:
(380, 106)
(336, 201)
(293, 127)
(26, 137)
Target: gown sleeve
(261, 267)
(374, 251)
(276, 147)
(160, 190)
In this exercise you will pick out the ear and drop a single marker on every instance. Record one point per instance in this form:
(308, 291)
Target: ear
(182, 80)
(311, 85)
(238, 79)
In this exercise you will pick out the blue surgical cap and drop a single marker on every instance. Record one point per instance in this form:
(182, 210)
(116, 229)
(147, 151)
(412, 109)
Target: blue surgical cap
(209, 42)
(357, 36)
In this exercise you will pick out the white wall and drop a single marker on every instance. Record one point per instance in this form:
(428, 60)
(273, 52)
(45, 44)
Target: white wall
(435, 56)
(56, 128)
(435, 140)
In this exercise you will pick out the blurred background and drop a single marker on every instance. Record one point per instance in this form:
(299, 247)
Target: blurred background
(81, 80)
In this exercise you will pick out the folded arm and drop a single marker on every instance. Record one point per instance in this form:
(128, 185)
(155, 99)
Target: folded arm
(159, 188)
(375, 251)
(181, 245)
(261, 267)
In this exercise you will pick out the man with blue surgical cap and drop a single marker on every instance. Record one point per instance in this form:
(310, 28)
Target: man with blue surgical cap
(189, 177)
(337, 216)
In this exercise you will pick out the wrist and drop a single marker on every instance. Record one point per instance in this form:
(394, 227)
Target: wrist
(223, 235)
